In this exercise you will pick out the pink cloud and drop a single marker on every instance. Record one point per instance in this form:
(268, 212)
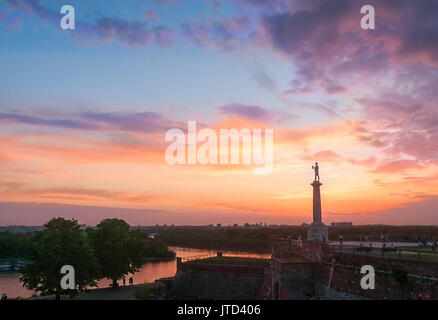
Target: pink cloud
(399, 166)
(331, 156)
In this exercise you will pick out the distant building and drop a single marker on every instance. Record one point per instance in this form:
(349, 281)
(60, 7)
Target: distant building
(342, 224)
(235, 225)
(219, 225)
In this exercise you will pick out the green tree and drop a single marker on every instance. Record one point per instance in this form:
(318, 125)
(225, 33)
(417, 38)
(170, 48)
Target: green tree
(155, 248)
(118, 249)
(62, 242)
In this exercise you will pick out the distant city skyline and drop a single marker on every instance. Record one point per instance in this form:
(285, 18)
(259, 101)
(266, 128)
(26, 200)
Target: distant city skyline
(84, 112)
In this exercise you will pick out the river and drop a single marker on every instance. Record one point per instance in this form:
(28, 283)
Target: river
(149, 272)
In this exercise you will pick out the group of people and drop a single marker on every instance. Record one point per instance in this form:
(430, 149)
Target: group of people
(4, 296)
(390, 248)
(428, 244)
(131, 281)
(369, 248)
(383, 238)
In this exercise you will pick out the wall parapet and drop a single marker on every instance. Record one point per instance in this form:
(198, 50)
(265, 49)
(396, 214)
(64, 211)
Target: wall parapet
(220, 268)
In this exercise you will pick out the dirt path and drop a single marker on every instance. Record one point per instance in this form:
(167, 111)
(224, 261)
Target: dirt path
(121, 293)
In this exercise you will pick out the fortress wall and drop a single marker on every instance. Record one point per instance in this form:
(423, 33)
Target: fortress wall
(342, 280)
(282, 247)
(420, 268)
(220, 268)
(323, 292)
(208, 281)
(299, 281)
(320, 279)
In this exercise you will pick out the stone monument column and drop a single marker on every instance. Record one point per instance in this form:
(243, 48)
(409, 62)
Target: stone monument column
(316, 202)
(317, 231)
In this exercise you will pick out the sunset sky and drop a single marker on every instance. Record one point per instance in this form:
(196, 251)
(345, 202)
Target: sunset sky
(84, 112)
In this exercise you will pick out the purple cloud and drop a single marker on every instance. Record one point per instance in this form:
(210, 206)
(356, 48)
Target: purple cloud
(228, 34)
(136, 33)
(31, 120)
(136, 121)
(35, 7)
(254, 113)
(324, 40)
(403, 118)
(146, 122)
(131, 33)
(245, 111)
(263, 79)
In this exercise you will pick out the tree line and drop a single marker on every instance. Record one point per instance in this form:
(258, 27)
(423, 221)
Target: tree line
(15, 245)
(259, 240)
(232, 239)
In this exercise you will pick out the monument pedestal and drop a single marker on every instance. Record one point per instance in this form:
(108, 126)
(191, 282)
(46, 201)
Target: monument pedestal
(317, 232)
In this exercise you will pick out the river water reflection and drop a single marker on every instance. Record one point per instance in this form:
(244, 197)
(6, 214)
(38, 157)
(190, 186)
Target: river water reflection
(149, 272)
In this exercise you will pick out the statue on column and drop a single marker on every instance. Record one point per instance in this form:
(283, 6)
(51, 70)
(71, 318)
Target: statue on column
(316, 168)
(317, 230)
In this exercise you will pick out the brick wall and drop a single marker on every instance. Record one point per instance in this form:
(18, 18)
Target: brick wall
(210, 281)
